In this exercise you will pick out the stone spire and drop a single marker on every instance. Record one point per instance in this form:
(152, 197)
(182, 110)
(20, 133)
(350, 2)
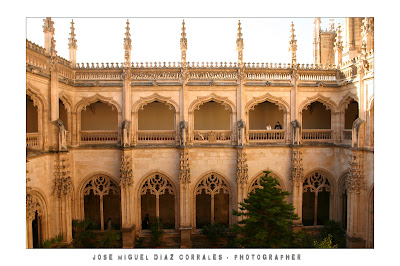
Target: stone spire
(293, 46)
(72, 45)
(331, 24)
(239, 45)
(317, 40)
(338, 46)
(127, 45)
(183, 44)
(48, 29)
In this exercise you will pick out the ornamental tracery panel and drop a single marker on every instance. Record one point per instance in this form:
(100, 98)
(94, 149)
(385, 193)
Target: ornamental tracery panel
(102, 201)
(316, 199)
(212, 201)
(157, 200)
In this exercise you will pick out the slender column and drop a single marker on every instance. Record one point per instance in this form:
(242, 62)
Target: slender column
(126, 177)
(184, 183)
(101, 213)
(242, 176)
(357, 201)
(240, 116)
(296, 180)
(315, 208)
(294, 130)
(63, 191)
(212, 208)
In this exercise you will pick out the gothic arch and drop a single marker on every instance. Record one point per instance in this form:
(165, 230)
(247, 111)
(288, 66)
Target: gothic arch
(101, 184)
(195, 105)
(317, 182)
(255, 181)
(86, 101)
(346, 100)
(212, 184)
(40, 102)
(159, 185)
(36, 203)
(66, 101)
(342, 199)
(328, 103)
(282, 104)
(143, 101)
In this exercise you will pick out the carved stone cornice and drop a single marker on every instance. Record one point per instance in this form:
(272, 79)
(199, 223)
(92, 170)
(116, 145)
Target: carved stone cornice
(184, 168)
(242, 169)
(126, 175)
(62, 181)
(355, 181)
(296, 169)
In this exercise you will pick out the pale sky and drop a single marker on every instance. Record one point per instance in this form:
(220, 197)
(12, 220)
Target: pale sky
(158, 39)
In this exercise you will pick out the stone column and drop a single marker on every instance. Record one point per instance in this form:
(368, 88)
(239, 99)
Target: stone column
(128, 227)
(242, 177)
(296, 172)
(184, 183)
(356, 201)
(63, 190)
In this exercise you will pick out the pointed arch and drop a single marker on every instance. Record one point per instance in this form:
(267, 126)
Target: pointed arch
(100, 184)
(195, 105)
(38, 141)
(318, 197)
(213, 199)
(158, 196)
(143, 101)
(86, 101)
(66, 101)
(279, 101)
(328, 103)
(37, 206)
(346, 100)
(36, 96)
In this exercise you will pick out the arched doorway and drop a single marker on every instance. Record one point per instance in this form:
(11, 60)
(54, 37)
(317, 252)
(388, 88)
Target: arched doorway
(212, 201)
(102, 201)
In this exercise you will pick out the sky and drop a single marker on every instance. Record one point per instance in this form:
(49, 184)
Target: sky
(158, 39)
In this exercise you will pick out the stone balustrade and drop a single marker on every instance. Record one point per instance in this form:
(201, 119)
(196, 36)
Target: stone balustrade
(32, 140)
(268, 76)
(99, 137)
(212, 136)
(347, 135)
(317, 77)
(317, 135)
(98, 75)
(275, 135)
(156, 136)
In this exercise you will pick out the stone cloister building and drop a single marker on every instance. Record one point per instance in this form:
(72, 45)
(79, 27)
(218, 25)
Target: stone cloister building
(188, 141)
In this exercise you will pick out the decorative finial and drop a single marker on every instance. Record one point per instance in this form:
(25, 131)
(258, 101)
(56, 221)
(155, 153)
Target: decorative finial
(72, 40)
(331, 24)
(127, 44)
(48, 25)
(338, 39)
(239, 45)
(183, 44)
(293, 45)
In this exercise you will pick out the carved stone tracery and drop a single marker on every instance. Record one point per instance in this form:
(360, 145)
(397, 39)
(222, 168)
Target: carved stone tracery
(296, 169)
(316, 182)
(212, 184)
(101, 185)
(157, 184)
